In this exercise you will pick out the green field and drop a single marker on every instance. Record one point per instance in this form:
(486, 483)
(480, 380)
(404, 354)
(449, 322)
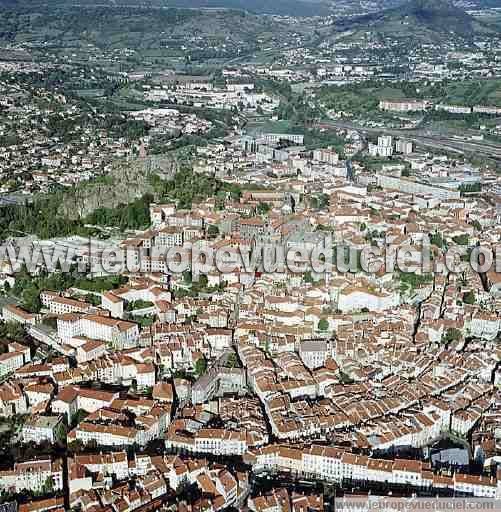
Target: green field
(269, 127)
(475, 92)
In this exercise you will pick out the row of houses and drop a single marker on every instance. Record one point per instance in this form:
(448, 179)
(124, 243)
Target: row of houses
(336, 465)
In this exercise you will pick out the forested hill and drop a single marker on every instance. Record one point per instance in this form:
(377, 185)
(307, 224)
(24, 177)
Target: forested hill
(421, 20)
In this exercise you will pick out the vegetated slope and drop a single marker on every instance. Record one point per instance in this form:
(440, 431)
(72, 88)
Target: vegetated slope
(277, 7)
(125, 183)
(422, 20)
(436, 15)
(118, 27)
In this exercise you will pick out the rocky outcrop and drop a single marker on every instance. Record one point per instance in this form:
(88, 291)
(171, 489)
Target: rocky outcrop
(127, 181)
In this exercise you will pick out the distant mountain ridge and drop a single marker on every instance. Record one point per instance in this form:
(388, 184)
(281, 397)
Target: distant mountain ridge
(302, 8)
(438, 15)
(277, 7)
(299, 8)
(420, 19)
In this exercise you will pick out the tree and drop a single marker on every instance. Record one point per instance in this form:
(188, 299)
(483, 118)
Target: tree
(452, 334)
(437, 239)
(80, 416)
(48, 486)
(183, 486)
(461, 239)
(12, 331)
(477, 225)
(76, 446)
(61, 433)
(467, 188)
(201, 366)
(323, 325)
(31, 299)
(263, 208)
(187, 277)
(308, 277)
(232, 360)
(469, 297)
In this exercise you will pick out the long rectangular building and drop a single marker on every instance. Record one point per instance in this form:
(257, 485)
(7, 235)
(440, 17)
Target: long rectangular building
(416, 187)
(335, 465)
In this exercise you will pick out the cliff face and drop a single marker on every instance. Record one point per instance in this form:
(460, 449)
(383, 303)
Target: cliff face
(126, 182)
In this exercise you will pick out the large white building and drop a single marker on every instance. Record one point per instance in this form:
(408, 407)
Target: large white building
(11, 313)
(313, 353)
(403, 105)
(61, 305)
(72, 398)
(32, 475)
(37, 429)
(326, 155)
(10, 362)
(92, 349)
(104, 435)
(359, 298)
(118, 333)
(410, 186)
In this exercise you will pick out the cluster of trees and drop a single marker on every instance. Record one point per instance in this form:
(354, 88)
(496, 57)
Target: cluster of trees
(263, 208)
(40, 218)
(451, 335)
(163, 144)
(474, 92)
(351, 98)
(138, 304)
(43, 219)
(215, 116)
(438, 240)
(319, 201)
(296, 109)
(469, 297)
(116, 125)
(121, 126)
(375, 163)
(135, 215)
(443, 115)
(279, 87)
(468, 188)
(27, 287)
(11, 331)
(316, 138)
(197, 287)
(187, 187)
(99, 284)
(413, 280)
(95, 24)
(461, 239)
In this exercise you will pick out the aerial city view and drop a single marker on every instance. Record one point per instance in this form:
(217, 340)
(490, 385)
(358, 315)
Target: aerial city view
(250, 255)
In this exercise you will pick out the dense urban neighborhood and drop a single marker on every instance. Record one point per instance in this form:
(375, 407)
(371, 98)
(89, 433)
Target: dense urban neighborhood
(249, 255)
